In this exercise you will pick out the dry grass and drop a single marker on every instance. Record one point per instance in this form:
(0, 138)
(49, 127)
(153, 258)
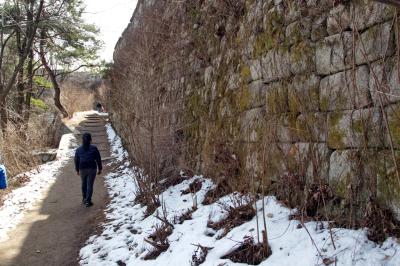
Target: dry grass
(223, 188)
(240, 211)
(187, 215)
(249, 252)
(159, 238)
(42, 133)
(194, 187)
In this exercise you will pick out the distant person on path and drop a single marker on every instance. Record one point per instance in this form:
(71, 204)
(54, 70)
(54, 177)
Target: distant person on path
(99, 108)
(3, 177)
(87, 162)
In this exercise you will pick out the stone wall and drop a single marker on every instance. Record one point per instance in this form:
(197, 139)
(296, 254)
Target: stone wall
(278, 86)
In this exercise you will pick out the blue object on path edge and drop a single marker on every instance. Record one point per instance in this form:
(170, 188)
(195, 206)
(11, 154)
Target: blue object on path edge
(3, 177)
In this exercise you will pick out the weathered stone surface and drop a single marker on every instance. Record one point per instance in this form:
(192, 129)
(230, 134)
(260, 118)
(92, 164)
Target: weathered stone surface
(276, 95)
(367, 13)
(318, 28)
(384, 82)
(286, 128)
(257, 94)
(304, 89)
(214, 91)
(250, 124)
(375, 43)
(275, 65)
(252, 163)
(342, 168)
(255, 69)
(338, 19)
(393, 117)
(388, 184)
(312, 161)
(302, 58)
(293, 11)
(345, 90)
(225, 109)
(282, 74)
(332, 53)
(298, 31)
(355, 129)
(234, 81)
(312, 127)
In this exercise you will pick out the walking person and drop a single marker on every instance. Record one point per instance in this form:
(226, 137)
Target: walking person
(87, 163)
(3, 177)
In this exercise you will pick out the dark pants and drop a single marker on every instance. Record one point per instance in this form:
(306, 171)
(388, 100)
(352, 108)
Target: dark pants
(87, 176)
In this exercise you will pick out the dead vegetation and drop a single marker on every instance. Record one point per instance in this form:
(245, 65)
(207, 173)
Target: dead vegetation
(171, 181)
(289, 189)
(249, 252)
(187, 215)
(380, 223)
(42, 132)
(221, 189)
(194, 187)
(239, 211)
(146, 193)
(200, 254)
(159, 238)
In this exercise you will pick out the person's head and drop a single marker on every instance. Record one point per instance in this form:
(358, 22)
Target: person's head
(86, 140)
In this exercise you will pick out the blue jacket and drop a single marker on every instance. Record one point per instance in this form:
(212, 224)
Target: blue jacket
(88, 159)
(3, 177)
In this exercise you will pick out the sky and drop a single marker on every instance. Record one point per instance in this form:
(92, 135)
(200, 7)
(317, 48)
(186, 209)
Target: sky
(112, 17)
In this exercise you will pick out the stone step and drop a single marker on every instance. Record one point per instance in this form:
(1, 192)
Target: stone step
(94, 135)
(95, 116)
(91, 129)
(92, 125)
(91, 120)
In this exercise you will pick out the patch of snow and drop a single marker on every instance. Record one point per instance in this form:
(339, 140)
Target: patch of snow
(117, 149)
(125, 229)
(23, 198)
(68, 143)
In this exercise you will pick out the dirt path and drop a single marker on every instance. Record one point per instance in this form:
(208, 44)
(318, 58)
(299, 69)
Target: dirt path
(53, 231)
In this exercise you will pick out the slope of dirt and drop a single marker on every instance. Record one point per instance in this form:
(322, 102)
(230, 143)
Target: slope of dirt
(54, 230)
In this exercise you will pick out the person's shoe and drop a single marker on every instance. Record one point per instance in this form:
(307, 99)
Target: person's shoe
(83, 201)
(88, 204)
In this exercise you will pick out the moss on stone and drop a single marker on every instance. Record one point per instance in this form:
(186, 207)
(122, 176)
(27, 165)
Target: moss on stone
(293, 100)
(245, 73)
(335, 139)
(388, 186)
(335, 134)
(276, 99)
(243, 98)
(341, 186)
(394, 123)
(324, 103)
(270, 37)
(303, 53)
(358, 126)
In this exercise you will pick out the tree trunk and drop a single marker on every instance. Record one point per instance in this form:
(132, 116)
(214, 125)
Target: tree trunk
(3, 115)
(20, 96)
(29, 90)
(52, 75)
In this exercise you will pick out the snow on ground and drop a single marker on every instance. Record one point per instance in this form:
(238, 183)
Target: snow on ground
(122, 239)
(23, 198)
